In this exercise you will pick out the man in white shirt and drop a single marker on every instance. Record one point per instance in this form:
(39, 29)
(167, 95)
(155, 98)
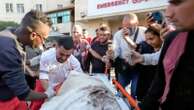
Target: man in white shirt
(55, 66)
(122, 50)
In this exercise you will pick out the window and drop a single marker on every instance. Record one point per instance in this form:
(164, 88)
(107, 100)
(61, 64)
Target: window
(20, 8)
(60, 17)
(9, 7)
(59, 6)
(39, 7)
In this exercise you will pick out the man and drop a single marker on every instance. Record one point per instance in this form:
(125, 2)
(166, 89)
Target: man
(13, 87)
(100, 47)
(55, 66)
(172, 88)
(58, 62)
(80, 47)
(122, 50)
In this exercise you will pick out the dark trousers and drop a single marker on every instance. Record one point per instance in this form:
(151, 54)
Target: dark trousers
(126, 78)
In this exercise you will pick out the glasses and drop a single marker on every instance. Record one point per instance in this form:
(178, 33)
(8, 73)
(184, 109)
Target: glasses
(40, 36)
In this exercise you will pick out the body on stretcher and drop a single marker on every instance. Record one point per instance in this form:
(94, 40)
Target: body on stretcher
(81, 91)
(125, 101)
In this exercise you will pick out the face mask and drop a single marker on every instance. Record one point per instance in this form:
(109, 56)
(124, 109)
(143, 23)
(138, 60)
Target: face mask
(132, 31)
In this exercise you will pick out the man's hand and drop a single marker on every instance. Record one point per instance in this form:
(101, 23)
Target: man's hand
(110, 54)
(50, 92)
(105, 59)
(136, 57)
(88, 47)
(125, 31)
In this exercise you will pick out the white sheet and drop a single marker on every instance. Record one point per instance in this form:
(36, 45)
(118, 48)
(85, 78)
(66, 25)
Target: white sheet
(83, 92)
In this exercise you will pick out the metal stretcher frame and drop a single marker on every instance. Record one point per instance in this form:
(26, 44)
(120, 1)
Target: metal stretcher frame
(130, 100)
(116, 88)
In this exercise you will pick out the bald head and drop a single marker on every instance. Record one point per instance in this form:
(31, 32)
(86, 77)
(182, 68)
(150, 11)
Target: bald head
(130, 20)
(77, 28)
(77, 33)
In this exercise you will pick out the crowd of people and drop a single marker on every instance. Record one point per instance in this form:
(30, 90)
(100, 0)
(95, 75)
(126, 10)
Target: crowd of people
(155, 59)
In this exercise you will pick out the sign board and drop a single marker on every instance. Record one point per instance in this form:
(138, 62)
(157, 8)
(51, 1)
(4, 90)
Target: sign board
(101, 7)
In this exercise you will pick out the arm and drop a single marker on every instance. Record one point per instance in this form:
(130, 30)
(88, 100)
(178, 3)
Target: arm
(75, 64)
(151, 59)
(13, 75)
(43, 75)
(30, 72)
(95, 54)
(145, 59)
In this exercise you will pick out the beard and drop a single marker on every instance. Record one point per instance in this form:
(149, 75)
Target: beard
(60, 60)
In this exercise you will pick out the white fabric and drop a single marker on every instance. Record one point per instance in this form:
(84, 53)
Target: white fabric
(54, 71)
(82, 92)
(120, 46)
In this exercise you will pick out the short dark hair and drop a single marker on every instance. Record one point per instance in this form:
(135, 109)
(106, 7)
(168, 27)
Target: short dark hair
(33, 18)
(66, 42)
(153, 31)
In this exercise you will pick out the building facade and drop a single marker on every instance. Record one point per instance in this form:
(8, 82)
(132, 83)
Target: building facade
(91, 13)
(14, 10)
(61, 13)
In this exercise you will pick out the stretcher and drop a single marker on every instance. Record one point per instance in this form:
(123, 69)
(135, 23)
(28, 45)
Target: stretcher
(125, 101)
(81, 91)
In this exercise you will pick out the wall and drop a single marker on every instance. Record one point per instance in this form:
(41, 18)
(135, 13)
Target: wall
(52, 4)
(15, 16)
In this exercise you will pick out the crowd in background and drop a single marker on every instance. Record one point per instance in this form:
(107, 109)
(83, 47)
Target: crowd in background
(107, 50)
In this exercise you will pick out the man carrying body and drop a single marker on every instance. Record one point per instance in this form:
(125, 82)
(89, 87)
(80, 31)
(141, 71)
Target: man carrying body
(13, 87)
(55, 66)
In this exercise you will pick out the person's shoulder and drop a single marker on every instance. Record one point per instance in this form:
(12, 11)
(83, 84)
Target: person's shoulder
(142, 28)
(117, 34)
(170, 36)
(48, 54)
(95, 43)
(72, 57)
(6, 42)
(144, 47)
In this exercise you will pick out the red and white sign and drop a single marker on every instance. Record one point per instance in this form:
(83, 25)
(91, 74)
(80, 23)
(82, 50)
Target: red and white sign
(101, 7)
